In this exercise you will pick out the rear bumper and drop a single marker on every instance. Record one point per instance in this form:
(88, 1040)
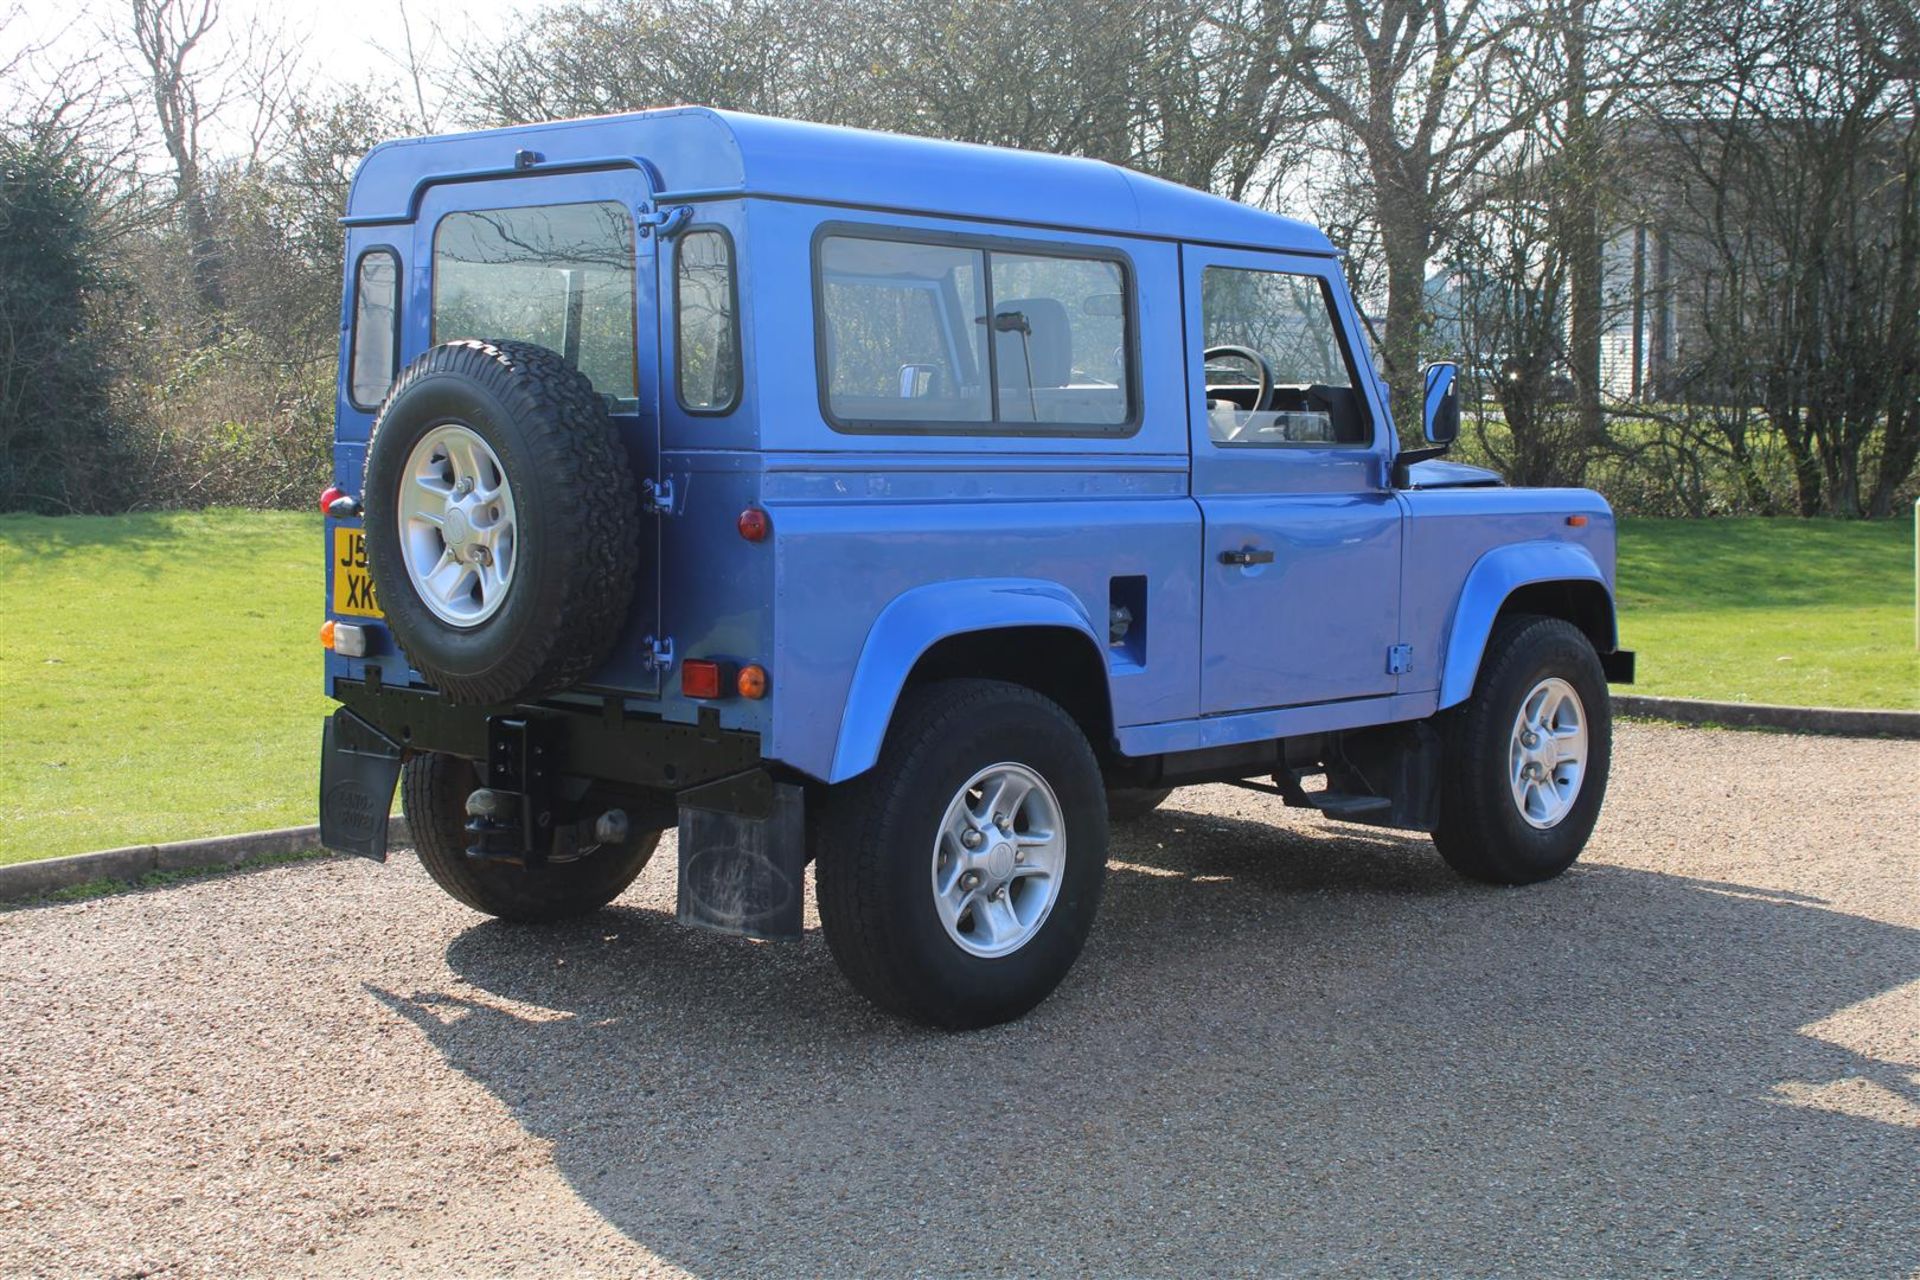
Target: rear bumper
(607, 744)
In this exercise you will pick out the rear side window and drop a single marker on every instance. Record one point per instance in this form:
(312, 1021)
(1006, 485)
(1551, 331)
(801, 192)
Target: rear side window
(707, 339)
(964, 336)
(557, 275)
(376, 330)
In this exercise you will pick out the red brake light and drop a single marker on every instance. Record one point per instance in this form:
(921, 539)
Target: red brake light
(700, 678)
(330, 495)
(754, 524)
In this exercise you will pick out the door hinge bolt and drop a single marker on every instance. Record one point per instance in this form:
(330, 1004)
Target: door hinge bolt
(1399, 659)
(657, 497)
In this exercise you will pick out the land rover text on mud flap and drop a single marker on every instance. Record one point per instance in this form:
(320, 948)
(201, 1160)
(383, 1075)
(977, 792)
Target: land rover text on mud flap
(916, 509)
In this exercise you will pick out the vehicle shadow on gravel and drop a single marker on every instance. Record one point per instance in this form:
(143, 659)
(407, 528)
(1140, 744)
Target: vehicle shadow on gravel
(1294, 1048)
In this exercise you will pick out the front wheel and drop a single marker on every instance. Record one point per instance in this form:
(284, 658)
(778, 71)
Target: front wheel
(958, 879)
(433, 793)
(1526, 756)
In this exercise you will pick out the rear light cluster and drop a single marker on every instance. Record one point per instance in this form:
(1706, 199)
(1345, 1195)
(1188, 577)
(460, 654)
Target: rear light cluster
(706, 678)
(344, 638)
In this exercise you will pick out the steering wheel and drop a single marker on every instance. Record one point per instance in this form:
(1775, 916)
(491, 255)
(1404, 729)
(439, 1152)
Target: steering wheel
(1253, 358)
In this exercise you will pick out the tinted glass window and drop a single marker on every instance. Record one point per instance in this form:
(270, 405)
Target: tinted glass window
(1060, 339)
(708, 342)
(376, 309)
(1288, 321)
(904, 330)
(557, 275)
(901, 332)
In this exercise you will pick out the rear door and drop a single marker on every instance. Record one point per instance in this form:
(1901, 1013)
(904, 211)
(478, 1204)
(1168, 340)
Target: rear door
(1302, 533)
(559, 260)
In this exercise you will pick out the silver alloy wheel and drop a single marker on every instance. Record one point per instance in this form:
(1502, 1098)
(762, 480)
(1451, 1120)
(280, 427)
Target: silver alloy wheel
(998, 860)
(457, 528)
(1547, 758)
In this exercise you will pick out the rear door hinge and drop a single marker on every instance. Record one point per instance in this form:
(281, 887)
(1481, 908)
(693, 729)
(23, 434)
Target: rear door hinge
(657, 497)
(667, 221)
(1399, 659)
(659, 655)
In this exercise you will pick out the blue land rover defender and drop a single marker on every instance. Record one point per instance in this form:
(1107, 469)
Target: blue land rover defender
(915, 510)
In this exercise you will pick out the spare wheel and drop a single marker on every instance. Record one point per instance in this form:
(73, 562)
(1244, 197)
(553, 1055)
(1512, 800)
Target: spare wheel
(502, 521)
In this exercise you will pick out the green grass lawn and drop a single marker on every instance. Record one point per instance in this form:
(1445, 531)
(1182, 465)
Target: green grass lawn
(160, 674)
(159, 677)
(1805, 612)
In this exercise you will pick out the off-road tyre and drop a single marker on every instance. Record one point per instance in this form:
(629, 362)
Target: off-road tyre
(433, 794)
(577, 516)
(875, 839)
(1480, 831)
(1130, 804)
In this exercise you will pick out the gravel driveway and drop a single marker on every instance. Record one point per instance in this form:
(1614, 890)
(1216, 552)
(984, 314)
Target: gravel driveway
(1291, 1047)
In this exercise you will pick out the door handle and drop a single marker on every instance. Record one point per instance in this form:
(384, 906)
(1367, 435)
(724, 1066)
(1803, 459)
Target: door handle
(1246, 555)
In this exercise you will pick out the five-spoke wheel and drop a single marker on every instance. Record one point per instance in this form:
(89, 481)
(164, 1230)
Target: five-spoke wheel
(1547, 759)
(998, 859)
(457, 528)
(1525, 766)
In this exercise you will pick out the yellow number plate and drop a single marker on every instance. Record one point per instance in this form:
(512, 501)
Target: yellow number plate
(352, 583)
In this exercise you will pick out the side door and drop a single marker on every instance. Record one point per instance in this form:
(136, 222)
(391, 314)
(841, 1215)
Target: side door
(1302, 539)
(559, 260)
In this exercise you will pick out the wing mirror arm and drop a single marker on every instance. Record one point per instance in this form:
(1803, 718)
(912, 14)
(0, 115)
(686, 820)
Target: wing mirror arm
(1440, 415)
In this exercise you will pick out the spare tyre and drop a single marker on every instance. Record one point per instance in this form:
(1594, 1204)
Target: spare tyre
(502, 521)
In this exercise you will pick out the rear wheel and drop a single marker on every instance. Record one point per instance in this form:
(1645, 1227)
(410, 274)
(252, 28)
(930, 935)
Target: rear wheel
(1527, 755)
(433, 793)
(958, 879)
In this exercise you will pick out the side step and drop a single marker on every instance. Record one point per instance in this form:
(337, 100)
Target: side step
(1344, 806)
(1348, 808)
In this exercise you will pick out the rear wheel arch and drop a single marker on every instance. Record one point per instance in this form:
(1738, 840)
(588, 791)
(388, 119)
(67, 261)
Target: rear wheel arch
(1025, 631)
(1058, 663)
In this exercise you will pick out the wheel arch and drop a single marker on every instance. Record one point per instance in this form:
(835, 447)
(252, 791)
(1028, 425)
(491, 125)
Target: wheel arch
(1029, 632)
(1553, 579)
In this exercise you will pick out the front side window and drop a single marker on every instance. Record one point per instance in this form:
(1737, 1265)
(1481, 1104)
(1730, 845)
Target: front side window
(954, 334)
(1276, 371)
(376, 312)
(707, 337)
(560, 276)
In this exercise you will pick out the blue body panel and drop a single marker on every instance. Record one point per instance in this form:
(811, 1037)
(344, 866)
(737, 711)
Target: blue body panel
(884, 544)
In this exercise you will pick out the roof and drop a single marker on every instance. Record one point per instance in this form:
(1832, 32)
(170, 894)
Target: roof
(696, 151)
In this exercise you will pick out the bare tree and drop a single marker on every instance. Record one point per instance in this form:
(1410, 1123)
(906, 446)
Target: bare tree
(166, 35)
(1800, 205)
(1422, 96)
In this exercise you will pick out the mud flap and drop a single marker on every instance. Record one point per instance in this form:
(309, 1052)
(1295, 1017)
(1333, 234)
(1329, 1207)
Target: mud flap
(359, 768)
(743, 856)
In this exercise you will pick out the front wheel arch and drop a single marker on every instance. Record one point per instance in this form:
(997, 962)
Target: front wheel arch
(1545, 579)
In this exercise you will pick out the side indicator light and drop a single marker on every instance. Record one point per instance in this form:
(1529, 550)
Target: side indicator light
(700, 678)
(327, 629)
(753, 681)
(1577, 521)
(754, 525)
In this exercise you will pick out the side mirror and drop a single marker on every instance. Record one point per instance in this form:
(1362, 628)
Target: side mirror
(1441, 416)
